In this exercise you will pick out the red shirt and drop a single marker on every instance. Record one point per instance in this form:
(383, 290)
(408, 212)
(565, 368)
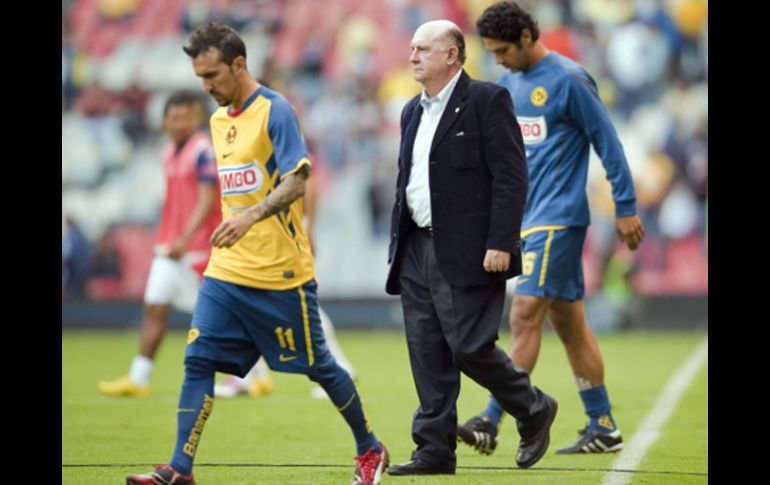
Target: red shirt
(184, 168)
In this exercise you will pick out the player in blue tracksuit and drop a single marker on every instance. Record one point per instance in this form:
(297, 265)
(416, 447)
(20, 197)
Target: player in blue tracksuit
(558, 108)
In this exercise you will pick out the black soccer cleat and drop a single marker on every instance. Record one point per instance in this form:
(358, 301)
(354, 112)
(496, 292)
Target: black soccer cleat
(162, 475)
(480, 433)
(593, 441)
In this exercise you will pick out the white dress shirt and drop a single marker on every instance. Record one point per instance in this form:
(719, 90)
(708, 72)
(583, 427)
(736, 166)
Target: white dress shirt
(418, 187)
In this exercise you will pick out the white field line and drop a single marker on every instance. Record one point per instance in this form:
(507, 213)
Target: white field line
(649, 430)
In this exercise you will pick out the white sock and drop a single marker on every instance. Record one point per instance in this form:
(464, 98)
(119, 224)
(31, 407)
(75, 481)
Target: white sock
(242, 383)
(331, 341)
(259, 371)
(141, 370)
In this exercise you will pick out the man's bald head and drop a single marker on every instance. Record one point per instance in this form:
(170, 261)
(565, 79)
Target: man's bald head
(444, 32)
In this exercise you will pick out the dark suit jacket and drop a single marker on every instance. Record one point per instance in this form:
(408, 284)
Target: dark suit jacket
(478, 182)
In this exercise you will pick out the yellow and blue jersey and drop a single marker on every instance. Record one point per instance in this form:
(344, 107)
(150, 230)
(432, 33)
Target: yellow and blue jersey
(560, 114)
(256, 148)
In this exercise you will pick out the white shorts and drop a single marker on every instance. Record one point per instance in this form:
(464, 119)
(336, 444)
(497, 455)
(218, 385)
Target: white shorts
(172, 283)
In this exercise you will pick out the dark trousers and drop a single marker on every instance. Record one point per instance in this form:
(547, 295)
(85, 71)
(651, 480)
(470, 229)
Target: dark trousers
(451, 329)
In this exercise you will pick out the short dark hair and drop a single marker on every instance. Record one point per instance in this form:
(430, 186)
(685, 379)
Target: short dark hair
(459, 41)
(218, 36)
(185, 98)
(505, 21)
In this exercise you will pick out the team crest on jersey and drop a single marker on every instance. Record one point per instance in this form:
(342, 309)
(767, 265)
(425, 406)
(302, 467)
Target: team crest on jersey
(533, 129)
(231, 134)
(538, 96)
(192, 335)
(240, 179)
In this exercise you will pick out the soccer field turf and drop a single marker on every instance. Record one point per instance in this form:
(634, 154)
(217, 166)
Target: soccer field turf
(289, 438)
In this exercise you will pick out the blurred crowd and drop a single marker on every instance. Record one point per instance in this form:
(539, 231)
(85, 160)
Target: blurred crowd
(344, 66)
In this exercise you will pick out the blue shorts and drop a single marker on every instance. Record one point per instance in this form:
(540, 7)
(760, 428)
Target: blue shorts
(551, 262)
(233, 325)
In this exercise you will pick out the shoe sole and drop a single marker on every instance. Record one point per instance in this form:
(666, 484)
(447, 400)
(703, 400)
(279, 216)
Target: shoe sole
(613, 449)
(131, 481)
(548, 438)
(432, 472)
(437, 472)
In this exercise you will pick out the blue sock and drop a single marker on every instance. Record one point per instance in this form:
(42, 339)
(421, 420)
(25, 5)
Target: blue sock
(195, 403)
(342, 392)
(597, 407)
(493, 411)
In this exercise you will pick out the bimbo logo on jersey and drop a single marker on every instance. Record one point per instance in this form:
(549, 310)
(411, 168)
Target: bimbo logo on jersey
(240, 179)
(533, 129)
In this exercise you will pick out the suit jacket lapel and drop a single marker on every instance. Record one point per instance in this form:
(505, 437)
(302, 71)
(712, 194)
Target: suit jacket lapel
(409, 136)
(452, 110)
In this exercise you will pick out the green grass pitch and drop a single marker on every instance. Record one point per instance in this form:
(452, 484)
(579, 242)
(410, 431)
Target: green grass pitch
(289, 438)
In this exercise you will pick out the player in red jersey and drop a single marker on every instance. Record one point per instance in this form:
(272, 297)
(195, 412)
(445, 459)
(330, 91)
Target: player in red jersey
(190, 214)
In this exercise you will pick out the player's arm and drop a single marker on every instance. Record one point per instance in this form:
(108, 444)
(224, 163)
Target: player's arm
(207, 198)
(290, 189)
(310, 209)
(585, 107)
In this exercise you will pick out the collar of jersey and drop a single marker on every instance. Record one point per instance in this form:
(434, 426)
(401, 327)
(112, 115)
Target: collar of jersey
(233, 113)
(547, 59)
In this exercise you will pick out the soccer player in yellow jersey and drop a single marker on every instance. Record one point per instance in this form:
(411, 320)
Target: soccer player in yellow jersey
(258, 381)
(258, 296)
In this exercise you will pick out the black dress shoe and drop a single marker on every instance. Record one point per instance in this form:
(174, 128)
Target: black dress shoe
(419, 467)
(533, 448)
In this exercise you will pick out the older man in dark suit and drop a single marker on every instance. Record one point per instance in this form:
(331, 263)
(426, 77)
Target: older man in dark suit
(461, 191)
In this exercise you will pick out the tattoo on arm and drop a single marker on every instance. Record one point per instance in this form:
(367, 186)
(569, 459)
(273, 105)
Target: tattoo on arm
(290, 189)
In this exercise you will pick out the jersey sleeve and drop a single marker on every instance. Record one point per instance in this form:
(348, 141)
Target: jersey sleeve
(585, 109)
(206, 166)
(288, 145)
